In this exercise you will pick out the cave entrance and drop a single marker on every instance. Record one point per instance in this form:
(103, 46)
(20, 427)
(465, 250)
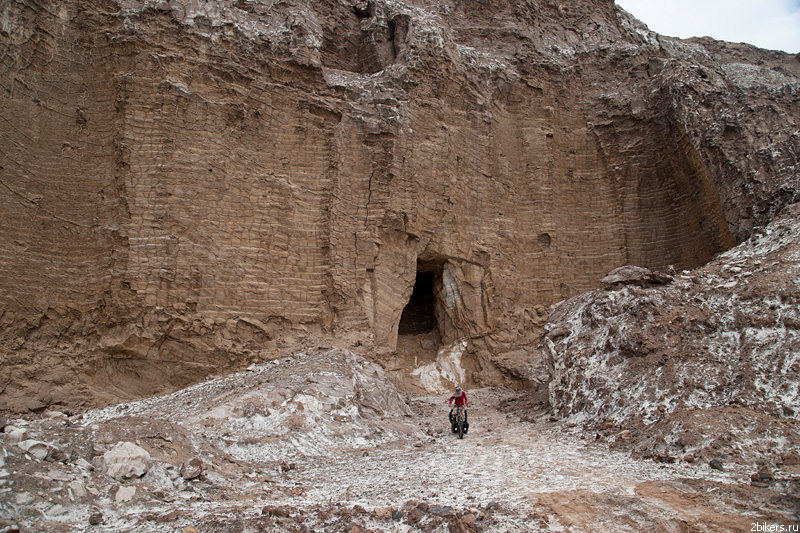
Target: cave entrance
(419, 314)
(419, 333)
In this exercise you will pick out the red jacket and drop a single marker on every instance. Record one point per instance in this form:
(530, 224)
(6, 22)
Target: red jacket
(460, 400)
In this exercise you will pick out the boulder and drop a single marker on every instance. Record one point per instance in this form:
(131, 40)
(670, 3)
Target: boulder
(37, 448)
(764, 475)
(415, 515)
(791, 458)
(78, 489)
(125, 494)
(444, 511)
(192, 468)
(382, 513)
(24, 498)
(635, 275)
(56, 510)
(125, 460)
(82, 463)
(14, 435)
(50, 414)
(278, 511)
(457, 526)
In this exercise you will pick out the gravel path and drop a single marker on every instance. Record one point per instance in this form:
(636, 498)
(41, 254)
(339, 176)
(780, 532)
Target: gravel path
(501, 461)
(401, 473)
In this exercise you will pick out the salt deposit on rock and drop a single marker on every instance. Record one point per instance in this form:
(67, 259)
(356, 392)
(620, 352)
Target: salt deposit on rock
(24, 498)
(322, 401)
(638, 356)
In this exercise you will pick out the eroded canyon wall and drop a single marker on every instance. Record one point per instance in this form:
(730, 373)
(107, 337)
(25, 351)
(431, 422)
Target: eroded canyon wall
(190, 186)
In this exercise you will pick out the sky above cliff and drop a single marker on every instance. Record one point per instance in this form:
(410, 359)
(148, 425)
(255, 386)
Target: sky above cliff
(771, 24)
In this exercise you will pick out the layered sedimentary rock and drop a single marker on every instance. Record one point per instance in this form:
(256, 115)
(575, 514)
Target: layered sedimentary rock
(188, 187)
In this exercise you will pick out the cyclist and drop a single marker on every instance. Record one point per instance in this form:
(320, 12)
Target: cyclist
(459, 397)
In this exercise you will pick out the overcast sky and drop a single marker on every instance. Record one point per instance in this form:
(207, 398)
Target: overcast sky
(772, 24)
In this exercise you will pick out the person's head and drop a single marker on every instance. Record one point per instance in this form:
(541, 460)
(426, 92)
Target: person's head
(458, 391)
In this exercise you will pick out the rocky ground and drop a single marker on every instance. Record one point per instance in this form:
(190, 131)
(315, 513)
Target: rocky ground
(322, 441)
(703, 364)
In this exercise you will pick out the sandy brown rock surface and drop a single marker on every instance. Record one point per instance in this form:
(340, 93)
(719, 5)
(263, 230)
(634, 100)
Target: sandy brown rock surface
(188, 187)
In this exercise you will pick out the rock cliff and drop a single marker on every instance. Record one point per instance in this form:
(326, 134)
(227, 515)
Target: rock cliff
(189, 186)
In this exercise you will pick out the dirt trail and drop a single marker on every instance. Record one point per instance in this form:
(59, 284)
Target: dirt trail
(524, 468)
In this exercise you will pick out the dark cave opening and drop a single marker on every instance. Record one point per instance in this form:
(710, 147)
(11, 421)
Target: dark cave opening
(419, 315)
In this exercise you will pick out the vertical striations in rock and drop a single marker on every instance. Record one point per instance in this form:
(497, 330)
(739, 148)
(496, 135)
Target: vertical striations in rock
(188, 187)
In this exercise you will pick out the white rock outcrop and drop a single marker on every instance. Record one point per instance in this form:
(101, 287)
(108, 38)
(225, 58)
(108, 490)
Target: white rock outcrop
(126, 460)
